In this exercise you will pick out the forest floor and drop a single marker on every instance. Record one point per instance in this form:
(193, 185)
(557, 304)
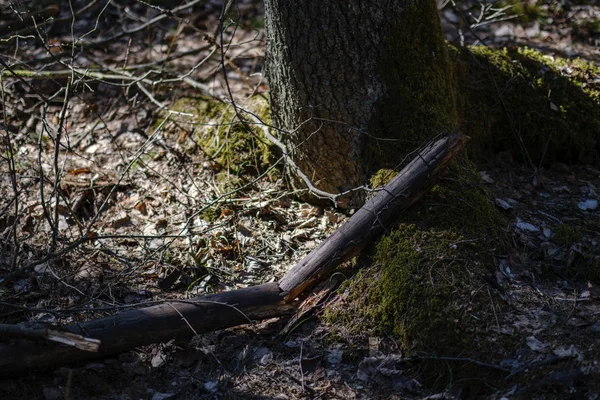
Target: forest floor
(179, 206)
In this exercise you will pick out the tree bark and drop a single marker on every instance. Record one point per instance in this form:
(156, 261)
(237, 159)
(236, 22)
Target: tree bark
(357, 84)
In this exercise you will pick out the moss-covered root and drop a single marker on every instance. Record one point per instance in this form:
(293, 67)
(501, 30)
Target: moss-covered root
(427, 284)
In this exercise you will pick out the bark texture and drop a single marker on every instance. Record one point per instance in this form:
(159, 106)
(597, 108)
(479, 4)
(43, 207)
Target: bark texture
(346, 76)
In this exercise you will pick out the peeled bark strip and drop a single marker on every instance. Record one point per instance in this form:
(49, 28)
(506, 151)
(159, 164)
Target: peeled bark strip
(66, 338)
(180, 319)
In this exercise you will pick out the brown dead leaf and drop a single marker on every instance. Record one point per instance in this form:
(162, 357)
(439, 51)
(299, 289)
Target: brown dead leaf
(159, 156)
(226, 212)
(78, 171)
(141, 207)
(121, 221)
(62, 210)
(307, 211)
(161, 224)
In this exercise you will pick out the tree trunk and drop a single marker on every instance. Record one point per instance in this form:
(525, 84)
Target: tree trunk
(356, 84)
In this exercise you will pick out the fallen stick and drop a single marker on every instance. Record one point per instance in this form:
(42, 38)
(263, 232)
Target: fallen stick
(180, 319)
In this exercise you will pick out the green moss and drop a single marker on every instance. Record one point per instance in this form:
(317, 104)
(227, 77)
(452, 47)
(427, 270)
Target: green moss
(416, 68)
(426, 287)
(211, 214)
(234, 148)
(418, 290)
(460, 203)
(382, 177)
(539, 108)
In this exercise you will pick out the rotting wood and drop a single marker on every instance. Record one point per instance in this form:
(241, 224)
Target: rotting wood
(180, 319)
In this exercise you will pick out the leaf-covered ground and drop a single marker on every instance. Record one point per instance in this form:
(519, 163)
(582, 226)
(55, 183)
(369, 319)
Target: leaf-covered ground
(115, 194)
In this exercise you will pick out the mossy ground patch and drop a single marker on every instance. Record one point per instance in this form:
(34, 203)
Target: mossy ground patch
(427, 283)
(540, 108)
(232, 147)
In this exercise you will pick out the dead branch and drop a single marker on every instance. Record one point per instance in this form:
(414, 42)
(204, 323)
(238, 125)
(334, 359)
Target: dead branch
(144, 326)
(163, 322)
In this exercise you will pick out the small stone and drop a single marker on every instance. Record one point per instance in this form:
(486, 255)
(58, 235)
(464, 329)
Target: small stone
(533, 31)
(486, 177)
(263, 356)
(588, 205)
(211, 386)
(42, 269)
(525, 226)
(503, 204)
(162, 396)
(567, 352)
(505, 30)
(535, 345)
(335, 356)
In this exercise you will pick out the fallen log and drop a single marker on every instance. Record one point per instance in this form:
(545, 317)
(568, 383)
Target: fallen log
(180, 319)
(160, 323)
